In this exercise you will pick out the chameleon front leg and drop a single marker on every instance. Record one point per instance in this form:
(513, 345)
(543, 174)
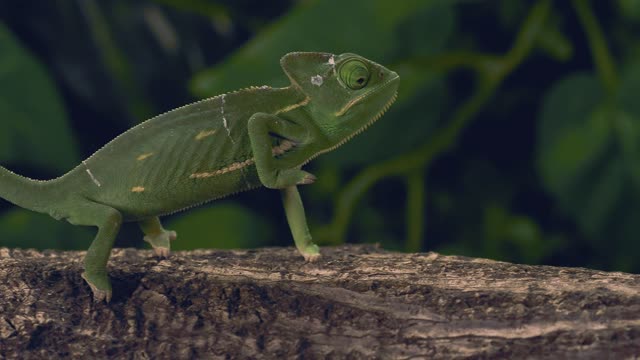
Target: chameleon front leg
(298, 223)
(157, 236)
(273, 175)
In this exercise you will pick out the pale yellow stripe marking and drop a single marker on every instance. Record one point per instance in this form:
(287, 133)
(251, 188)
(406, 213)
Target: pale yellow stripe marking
(356, 100)
(224, 170)
(204, 133)
(348, 105)
(144, 156)
(285, 146)
(294, 106)
(137, 189)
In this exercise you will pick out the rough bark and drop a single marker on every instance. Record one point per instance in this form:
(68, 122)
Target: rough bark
(356, 302)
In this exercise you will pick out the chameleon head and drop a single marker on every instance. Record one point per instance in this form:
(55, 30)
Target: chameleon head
(347, 92)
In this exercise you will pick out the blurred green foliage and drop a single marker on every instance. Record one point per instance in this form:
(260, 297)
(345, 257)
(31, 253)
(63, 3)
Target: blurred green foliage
(223, 227)
(28, 96)
(515, 136)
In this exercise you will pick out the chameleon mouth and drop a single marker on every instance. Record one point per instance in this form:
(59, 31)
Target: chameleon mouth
(366, 95)
(363, 128)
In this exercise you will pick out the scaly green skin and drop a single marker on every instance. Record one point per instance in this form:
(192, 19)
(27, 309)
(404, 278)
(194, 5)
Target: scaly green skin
(260, 136)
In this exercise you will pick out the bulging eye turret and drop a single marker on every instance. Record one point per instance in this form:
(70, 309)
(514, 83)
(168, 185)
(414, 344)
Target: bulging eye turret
(354, 73)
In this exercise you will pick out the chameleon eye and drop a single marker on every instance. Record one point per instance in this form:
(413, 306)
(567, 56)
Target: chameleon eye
(355, 74)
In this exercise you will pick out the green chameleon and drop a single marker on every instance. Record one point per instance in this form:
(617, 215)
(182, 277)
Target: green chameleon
(259, 136)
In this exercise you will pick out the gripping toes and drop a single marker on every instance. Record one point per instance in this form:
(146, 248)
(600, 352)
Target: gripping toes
(291, 177)
(311, 253)
(100, 286)
(161, 242)
(307, 179)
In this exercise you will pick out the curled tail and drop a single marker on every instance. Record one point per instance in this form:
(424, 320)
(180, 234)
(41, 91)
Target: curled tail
(27, 193)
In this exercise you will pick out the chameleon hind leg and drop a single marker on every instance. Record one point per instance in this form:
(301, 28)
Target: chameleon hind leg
(157, 236)
(108, 221)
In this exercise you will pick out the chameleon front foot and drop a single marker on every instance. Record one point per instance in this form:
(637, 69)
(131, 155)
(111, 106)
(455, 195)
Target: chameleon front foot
(298, 224)
(100, 286)
(307, 179)
(311, 253)
(161, 242)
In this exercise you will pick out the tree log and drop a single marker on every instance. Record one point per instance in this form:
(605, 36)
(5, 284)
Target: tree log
(355, 302)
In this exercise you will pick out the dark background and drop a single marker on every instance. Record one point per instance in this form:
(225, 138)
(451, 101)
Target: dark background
(515, 137)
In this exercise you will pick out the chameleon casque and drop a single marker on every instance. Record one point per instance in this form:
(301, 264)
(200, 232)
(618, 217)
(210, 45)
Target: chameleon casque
(258, 136)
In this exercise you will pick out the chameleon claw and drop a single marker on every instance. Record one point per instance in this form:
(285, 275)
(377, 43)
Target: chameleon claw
(310, 258)
(102, 295)
(98, 294)
(161, 252)
(311, 253)
(160, 242)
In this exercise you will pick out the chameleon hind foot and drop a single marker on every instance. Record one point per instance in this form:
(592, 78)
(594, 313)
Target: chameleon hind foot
(161, 242)
(100, 286)
(157, 236)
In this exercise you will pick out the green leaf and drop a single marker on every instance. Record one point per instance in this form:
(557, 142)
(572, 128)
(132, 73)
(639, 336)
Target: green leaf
(627, 94)
(225, 226)
(202, 7)
(574, 157)
(21, 228)
(588, 156)
(571, 132)
(426, 31)
(630, 9)
(511, 13)
(553, 42)
(33, 124)
(517, 237)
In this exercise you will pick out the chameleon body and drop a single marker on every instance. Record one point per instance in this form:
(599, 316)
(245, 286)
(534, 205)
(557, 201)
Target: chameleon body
(259, 136)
